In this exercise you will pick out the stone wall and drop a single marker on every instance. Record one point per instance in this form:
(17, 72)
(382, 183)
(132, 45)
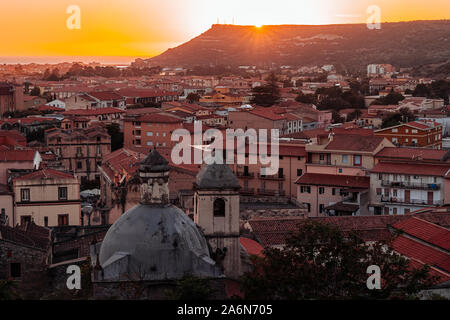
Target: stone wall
(145, 290)
(33, 264)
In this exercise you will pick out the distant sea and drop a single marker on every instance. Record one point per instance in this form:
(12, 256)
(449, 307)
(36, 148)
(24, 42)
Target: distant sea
(61, 59)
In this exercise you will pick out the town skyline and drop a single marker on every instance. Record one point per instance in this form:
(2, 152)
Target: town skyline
(134, 31)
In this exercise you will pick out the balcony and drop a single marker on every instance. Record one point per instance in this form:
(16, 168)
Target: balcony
(411, 185)
(247, 191)
(411, 201)
(245, 175)
(276, 177)
(269, 192)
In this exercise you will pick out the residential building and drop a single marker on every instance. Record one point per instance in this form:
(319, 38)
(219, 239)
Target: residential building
(423, 134)
(150, 130)
(408, 179)
(81, 150)
(47, 197)
(11, 98)
(107, 99)
(25, 254)
(331, 194)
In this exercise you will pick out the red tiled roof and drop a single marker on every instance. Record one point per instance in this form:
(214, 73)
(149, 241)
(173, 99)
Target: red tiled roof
(17, 155)
(353, 142)
(45, 173)
(419, 169)
(93, 112)
(426, 231)
(334, 180)
(275, 231)
(252, 247)
(157, 118)
(412, 153)
(106, 95)
(267, 113)
(50, 108)
(414, 249)
(144, 93)
(29, 235)
(292, 150)
(440, 274)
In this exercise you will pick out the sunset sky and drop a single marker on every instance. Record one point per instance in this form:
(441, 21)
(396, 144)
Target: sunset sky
(119, 30)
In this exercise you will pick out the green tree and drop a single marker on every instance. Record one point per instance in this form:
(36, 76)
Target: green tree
(7, 290)
(321, 262)
(306, 98)
(268, 94)
(191, 288)
(354, 115)
(193, 97)
(336, 117)
(116, 136)
(391, 98)
(35, 92)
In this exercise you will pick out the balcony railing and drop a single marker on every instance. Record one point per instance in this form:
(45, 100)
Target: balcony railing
(268, 192)
(247, 191)
(278, 177)
(245, 175)
(411, 201)
(410, 185)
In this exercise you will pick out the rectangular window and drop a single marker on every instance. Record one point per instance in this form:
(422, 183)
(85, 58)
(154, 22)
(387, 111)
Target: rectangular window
(150, 134)
(25, 220)
(299, 172)
(79, 165)
(322, 156)
(344, 158)
(138, 132)
(333, 191)
(15, 270)
(357, 160)
(46, 221)
(25, 194)
(321, 208)
(321, 190)
(308, 206)
(378, 191)
(138, 142)
(62, 193)
(63, 219)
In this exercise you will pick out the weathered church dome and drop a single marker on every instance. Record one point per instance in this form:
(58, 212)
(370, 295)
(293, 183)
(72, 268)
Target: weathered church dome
(155, 243)
(155, 240)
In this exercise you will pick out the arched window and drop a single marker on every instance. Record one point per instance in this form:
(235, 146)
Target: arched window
(219, 207)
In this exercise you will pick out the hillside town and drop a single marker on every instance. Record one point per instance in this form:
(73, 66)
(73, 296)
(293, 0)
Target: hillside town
(88, 175)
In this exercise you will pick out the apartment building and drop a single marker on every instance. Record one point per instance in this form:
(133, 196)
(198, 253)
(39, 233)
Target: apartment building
(423, 134)
(292, 158)
(80, 149)
(47, 197)
(344, 154)
(147, 131)
(330, 194)
(11, 98)
(409, 179)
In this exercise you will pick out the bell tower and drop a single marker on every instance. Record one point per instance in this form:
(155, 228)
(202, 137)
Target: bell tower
(216, 211)
(154, 174)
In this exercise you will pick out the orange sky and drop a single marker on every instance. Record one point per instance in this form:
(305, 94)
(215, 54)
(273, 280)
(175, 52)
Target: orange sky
(119, 29)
